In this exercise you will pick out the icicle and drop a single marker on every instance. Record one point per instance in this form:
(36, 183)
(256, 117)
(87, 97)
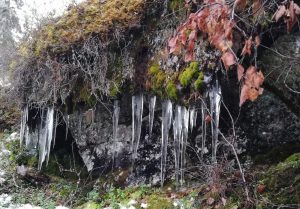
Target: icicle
(215, 102)
(24, 125)
(185, 131)
(46, 138)
(193, 117)
(55, 127)
(203, 125)
(177, 133)
(151, 113)
(166, 125)
(115, 127)
(50, 129)
(137, 115)
(67, 121)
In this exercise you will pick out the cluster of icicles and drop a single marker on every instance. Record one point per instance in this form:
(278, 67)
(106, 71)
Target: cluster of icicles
(42, 137)
(182, 119)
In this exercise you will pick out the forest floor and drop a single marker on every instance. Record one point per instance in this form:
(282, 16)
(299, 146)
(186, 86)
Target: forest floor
(270, 185)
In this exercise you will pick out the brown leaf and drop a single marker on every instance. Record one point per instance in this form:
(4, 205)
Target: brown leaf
(251, 86)
(257, 41)
(257, 8)
(297, 9)
(228, 29)
(279, 13)
(228, 60)
(189, 56)
(261, 188)
(240, 71)
(247, 47)
(208, 119)
(240, 4)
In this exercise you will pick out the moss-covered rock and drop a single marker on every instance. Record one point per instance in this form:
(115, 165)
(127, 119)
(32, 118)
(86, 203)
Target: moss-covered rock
(89, 17)
(189, 73)
(283, 182)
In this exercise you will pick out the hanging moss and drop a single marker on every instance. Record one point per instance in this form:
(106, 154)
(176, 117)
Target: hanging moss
(188, 74)
(199, 82)
(172, 92)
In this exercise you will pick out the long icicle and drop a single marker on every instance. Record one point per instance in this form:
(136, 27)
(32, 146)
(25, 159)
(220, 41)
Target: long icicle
(116, 114)
(185, 131)
(215, 103)
(167, 112)
(152, 104)
(177, 133)
(24, 121)
(50, 130)
(137, 115)
(203, 127)
(193, 117)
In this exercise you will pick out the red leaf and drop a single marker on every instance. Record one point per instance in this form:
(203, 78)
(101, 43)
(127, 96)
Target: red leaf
(261, 188)
(172, 42)
(228, 29)
(228, 59)
(240, 4)
(257, 41)
(193, 35)
(247, 47)
(297, 9)
(257, 8)
(251, 86)
(240, 71)
(189, 56)
(279, 13)
(208, 119)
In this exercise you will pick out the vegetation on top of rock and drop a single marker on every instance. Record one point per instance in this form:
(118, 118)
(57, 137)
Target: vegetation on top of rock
(91, 17)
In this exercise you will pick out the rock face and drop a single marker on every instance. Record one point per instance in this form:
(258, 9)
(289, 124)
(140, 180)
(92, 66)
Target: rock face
(93, 133)
(274, 119)
(268, 122)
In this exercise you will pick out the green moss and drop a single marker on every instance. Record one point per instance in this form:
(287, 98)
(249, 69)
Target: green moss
(188, 74)
(156, 201)
(172, 90)
(174, 5)
(199, 82)
(283, 182)
(89, 17)
(277, 154)
(154, 69)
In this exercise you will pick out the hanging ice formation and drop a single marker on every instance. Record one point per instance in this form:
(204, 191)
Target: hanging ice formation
(46, 137)
(152, 104)
(215, 103)
(184, 138)
(203, 127)
(42, 135)
(116, 114)
(177, 133)
(180, 132)
(137, 114)
(193, 117)
(166, 125)
(24, 125)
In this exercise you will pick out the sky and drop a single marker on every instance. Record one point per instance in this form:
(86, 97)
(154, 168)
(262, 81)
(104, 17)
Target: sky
(34, 10)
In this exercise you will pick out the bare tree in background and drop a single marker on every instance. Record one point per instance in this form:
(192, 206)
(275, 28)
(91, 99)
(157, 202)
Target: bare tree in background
(9, 27)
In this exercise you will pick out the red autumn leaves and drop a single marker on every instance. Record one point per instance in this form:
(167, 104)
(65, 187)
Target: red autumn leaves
(252, 81)
(214, 23)
(288, 11)
(211, 20)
